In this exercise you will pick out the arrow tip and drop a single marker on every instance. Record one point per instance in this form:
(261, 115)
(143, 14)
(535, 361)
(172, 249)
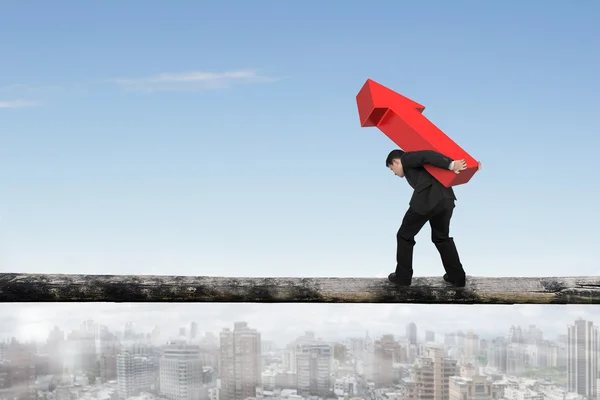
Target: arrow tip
(378, 90)
(374, 100)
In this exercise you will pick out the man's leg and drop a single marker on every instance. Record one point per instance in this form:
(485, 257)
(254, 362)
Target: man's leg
(405, 238)
(440, 236)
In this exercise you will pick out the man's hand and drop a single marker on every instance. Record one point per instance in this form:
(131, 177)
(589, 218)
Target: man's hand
(478, 165)
(459, 165)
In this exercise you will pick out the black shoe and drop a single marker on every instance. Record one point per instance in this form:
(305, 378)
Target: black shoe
(461, 283)
(392, 278)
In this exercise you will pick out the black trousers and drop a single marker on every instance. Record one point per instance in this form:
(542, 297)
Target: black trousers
(439, 220)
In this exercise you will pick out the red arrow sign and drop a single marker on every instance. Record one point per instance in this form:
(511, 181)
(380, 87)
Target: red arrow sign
(401, 120)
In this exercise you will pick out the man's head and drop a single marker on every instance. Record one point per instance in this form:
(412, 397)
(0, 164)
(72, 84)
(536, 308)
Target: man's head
(394, 163)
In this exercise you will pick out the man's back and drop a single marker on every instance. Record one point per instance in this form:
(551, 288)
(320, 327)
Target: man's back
(428, 191)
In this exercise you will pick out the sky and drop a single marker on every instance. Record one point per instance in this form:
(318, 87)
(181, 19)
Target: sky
(222, 137)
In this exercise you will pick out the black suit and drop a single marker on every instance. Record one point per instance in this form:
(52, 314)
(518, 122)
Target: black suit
(431, 201)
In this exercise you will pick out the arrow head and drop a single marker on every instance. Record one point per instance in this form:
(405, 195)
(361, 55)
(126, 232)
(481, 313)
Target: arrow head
(375, 100)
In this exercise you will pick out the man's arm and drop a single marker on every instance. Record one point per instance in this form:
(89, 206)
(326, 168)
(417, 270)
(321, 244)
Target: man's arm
(415, 159)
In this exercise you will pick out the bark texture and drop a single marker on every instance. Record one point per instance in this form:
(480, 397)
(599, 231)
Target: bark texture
(158, 288)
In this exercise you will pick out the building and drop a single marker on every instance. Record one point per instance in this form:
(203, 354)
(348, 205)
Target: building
(314, 368)
(240, 362)
(108, 368)
(384, 352)
(498, 355)
(432, 375)
(476, 387)
(181, 372)
(411, 333)
(17, 373)
(582, 358)
(56, 351)
(135, 373)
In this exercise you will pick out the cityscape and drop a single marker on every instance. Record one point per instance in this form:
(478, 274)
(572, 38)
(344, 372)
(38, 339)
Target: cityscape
(99, 357)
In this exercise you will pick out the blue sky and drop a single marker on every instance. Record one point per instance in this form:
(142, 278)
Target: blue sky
(222, 138)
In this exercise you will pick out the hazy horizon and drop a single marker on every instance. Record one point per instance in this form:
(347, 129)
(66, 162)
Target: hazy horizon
(283, 323)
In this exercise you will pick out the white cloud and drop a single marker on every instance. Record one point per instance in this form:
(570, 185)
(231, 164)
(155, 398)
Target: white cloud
(17, 103)
(193, 81)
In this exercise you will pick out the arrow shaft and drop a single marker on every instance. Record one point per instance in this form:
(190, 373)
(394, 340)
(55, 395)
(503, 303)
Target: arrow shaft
(412, 131)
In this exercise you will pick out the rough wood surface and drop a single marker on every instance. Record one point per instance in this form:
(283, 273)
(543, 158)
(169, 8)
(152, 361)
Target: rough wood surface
(158, 288)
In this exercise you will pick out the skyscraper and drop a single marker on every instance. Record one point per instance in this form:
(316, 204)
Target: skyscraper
(314, 367)
(432, 375)
(135, 373)
(411, 333)
(56, 351)
(384, 350)
(240, 362)
(180, 371)
(582, 358)
(193, 330)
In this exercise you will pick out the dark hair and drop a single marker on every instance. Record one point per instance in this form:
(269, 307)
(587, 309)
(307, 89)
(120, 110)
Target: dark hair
(394, 155)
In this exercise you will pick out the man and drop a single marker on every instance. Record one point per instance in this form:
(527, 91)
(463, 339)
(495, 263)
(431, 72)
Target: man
(431, 201)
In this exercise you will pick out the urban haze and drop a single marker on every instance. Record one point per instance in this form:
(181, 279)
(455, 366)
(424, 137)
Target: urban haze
(297, 351)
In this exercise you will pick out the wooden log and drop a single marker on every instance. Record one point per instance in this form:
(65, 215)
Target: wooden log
(429, 290)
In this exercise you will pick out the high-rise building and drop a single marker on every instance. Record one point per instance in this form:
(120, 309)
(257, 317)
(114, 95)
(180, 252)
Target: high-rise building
(20, 370)
(534, 334)
(515, 335)
(582, 358)
(135, 373)
(81, 349)
(108, 367)
(289, 358)
(432, 375)
(357, 347)
(498, 355)
(240, 362)
(411, 333)
(314, 368)
(384, 352)
(516, 359)
(56, 351)
(289, 354)
(105, 341)
(155, 336)
(128, 333)
(471, 349)
(180, 371)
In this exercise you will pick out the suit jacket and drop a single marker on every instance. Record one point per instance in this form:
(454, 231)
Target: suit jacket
(428, 191)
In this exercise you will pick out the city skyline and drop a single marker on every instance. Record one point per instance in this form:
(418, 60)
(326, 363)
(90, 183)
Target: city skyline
(239, 363)
(283, 322)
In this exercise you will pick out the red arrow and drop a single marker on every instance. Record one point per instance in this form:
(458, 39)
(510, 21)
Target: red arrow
(401, 120)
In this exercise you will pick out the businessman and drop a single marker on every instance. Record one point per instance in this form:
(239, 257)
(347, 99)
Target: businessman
(431, 202)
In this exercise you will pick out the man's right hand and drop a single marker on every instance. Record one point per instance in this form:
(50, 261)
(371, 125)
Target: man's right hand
(459, 165)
